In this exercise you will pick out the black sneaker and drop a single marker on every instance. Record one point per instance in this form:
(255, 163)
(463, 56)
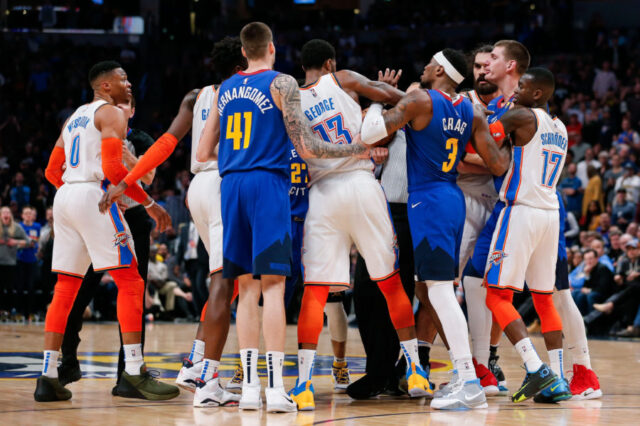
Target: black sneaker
(367, 387)
(144, 386)
(69, 373)
(48, 390)
(535, 383)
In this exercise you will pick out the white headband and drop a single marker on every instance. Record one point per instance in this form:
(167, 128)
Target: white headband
(448, 68)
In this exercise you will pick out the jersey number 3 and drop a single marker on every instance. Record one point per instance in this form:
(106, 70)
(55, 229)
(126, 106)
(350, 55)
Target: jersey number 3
(333, 125)
(235, 131)
(551, 159)
(452, 147)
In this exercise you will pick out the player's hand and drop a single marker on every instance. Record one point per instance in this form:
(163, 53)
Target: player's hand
(160, 215)
(379, 154)
(111, 196)
(390, 77)
(122, 205)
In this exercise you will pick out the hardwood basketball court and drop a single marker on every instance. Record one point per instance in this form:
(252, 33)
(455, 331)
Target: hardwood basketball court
(617, 364)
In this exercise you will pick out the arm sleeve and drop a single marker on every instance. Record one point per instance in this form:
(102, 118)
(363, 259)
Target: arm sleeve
(156, 155)
(54, 171)
(114, 170)
(373, 128)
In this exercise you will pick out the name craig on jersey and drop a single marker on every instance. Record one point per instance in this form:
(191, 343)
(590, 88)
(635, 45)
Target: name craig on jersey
(81, 121)
(245, 92)
(320, 108)
(556, 139)
(453, 125)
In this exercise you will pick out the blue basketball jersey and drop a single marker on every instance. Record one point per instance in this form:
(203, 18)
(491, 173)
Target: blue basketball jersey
(299, 193)
(562, 243)
(498, 107)
(433, 153)
(252, 131)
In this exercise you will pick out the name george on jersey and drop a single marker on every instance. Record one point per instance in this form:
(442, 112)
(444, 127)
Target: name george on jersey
(320, 108)
(453, 125)
(245, 92)
(81, 121)
(205, 113)
(554, 139)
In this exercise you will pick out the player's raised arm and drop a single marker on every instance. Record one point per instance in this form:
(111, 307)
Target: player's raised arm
(415, 106)
(210, 134)
(377, 91)
(496, 159)
(286, 95)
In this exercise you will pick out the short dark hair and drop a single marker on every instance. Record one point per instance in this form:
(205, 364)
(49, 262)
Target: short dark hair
(482, 48)
(227, 55)
(255, 38)
(315, 53)
(590, 250)
(516, 51)
(102, 68)
(457, 59)
(542, 77)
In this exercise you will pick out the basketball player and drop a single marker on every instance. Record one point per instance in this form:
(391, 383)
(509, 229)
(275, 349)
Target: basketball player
(529, 252)
(439, 124)
(584, 383)
(90, 146)
(254, 113)
(346, 206)
(480, 197)
(204, 204)
(505, 65)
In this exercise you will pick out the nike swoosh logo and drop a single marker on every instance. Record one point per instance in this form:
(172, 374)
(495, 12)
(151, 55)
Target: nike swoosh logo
(467, 398)
(416, 204)
(289, 399)
(553, 388)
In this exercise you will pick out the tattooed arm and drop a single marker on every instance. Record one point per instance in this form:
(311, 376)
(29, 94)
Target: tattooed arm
(496, 159)
(286, 95)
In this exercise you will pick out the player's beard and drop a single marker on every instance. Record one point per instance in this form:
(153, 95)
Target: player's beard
(484, 89)
(425, 84)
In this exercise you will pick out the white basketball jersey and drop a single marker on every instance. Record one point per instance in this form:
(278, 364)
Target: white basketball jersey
(336, 118)
(82, 145)
(200, 113)
(472, 184)
(535, 167)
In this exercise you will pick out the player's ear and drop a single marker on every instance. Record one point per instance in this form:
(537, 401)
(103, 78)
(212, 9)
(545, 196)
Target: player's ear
(272, 48)
(244, 52)
(511, 65)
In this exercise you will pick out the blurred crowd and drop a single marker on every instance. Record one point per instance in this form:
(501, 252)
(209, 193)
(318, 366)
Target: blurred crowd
(42, 81)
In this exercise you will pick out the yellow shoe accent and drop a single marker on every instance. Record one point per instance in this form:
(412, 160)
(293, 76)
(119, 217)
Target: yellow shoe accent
(418, 385)
(304, 399)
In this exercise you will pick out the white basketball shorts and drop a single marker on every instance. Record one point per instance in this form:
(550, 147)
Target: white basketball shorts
(478, 211)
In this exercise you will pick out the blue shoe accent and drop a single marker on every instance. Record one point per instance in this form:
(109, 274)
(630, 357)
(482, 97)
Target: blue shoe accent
(557, 391)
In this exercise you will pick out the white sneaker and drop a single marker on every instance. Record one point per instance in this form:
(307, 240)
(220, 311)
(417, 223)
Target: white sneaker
(188, 375)
(445, 389)
(210, 394)
(278, 401)
(462, 396)
(250, 399)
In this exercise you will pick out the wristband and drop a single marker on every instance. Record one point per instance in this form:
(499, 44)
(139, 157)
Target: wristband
(150, 204)
(497, 131)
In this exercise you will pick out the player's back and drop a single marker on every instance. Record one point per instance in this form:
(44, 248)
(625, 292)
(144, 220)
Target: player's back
(336, 117)
(82, 145)
(433, 153)
(535, 167)
(201, 110)
(252, 130)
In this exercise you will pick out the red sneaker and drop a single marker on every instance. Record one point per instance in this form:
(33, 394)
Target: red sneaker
(584, 384)
(487, 379)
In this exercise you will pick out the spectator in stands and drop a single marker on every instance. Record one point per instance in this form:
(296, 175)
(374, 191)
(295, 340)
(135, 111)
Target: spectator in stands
(27, 263)
(598, 283)
(574, 130)
(622, 210)
(571, 229)
(610, 177)
(597, 244)
(631, 182)
(571, 188)
(592, 218)
(604, 81)
(20, 193)
(583, 166)
(628, 136)
(593, 191)
(616, 249)
(12, 238)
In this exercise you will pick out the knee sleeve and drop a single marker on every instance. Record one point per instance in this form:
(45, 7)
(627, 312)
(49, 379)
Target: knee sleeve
(500, 302)
(549, 317)
(311, 317)
(337, 320)
(130, 298)
(63, 297)
(400, 309)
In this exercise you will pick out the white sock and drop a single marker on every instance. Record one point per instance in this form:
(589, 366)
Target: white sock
(555, 361)
(410, 351)
(450, 355)
(337, 321)
(306, 358)
(249, 359)
(197, 351)
(133, 359)
(337, 360)
(479, 318)
(422, 343)
(465, 368)
(528, 353)
(573, 327)
(209, 369)
(450, 314)
(50, 364)
(275, 360)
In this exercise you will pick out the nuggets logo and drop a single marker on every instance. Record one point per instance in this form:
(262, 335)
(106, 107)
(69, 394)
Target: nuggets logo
(497, 257)
(120, 239)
